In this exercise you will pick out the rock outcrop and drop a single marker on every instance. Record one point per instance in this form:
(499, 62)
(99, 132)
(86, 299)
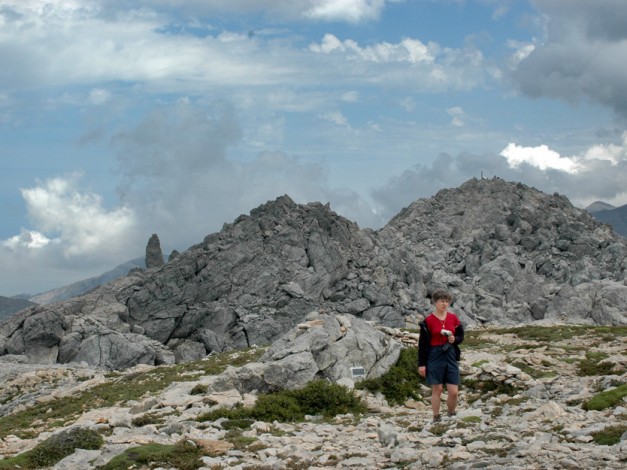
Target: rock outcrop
(509, 253)
(154, 255)
(340, 348)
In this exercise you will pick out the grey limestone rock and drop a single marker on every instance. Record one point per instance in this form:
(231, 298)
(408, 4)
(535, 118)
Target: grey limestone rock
(329, 346)
(154, 255)
(509, 254)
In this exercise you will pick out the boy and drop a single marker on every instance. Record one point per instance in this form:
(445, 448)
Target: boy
(438, 352)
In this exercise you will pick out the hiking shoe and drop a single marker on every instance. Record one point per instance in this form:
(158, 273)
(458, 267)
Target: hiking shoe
(452, 415)
(437, 418)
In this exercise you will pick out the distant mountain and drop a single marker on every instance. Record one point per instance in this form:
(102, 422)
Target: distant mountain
(616, 217)
(599, 206)
(80, 287)
(11, 305)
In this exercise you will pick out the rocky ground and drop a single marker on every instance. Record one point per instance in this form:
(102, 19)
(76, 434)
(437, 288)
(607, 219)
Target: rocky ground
(520, 408)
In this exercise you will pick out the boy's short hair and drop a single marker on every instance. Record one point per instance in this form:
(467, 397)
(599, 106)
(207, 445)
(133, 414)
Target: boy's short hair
(441, 294)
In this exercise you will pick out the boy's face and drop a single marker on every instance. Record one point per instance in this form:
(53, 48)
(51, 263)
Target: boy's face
(441, 305)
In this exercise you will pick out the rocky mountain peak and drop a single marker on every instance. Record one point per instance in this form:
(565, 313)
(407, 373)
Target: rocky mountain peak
(509, 254)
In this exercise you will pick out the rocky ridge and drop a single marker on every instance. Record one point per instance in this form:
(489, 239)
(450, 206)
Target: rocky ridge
(527, 414)
(509, 253)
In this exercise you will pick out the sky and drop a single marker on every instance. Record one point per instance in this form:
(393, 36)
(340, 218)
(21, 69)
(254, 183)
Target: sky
(124, 118)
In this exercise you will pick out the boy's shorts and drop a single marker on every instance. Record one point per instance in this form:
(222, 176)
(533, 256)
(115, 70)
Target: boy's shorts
(442, 368)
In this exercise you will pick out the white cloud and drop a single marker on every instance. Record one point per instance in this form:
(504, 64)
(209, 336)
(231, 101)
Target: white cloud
(27, 239)
(336, 117)
(73, 237)
(408, 50)
(611, 152)
(408, 104)
(353, 11)
(83, 226)
(457, 116)
(540, 157)
(350, 96)
(522, 50)
(99, 96)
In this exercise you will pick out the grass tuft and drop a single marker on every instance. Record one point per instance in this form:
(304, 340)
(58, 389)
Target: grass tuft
(606, 399)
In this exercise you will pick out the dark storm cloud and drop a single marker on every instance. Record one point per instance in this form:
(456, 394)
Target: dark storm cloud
(577, 60)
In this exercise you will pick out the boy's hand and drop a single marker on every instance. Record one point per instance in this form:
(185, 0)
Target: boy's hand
(422, 371)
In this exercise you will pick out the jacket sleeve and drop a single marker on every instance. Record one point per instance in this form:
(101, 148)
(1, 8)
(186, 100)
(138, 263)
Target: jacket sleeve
(459, 334)
(423, 345)
(459, 337)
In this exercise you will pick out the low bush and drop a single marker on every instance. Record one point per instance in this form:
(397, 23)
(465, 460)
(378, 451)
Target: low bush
(610, 435)
(184, 455)
(318, 397)
(400, 383)
(146, 419)
(606, 399)
(592, 365)
(55, 448)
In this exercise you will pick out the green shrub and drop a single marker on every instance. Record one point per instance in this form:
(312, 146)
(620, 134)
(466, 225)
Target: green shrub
(400, 383)
(321, 397)
(281, 407)
(199, 389)
(606, 399)
(318, 397)
(592, 365)
(146, 419)
(55, 448)
(610, 435)
(183, 455)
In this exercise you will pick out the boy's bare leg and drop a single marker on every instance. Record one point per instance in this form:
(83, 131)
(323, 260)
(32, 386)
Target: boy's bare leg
(436, 394)
(452, 392)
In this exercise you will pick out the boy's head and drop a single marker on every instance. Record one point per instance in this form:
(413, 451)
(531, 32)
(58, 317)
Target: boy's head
(441, 294)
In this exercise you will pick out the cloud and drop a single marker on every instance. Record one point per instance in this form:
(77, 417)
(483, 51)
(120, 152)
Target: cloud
(336, 117)
(83, 227)
(599, 174)
(352, 11)
(457, 116)
(540, 157)
(175, 179)
(73, 236)
(27, 239)
(408, 50)
(576, 61)
(175, 170)
(99, 96)
(122, 48)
